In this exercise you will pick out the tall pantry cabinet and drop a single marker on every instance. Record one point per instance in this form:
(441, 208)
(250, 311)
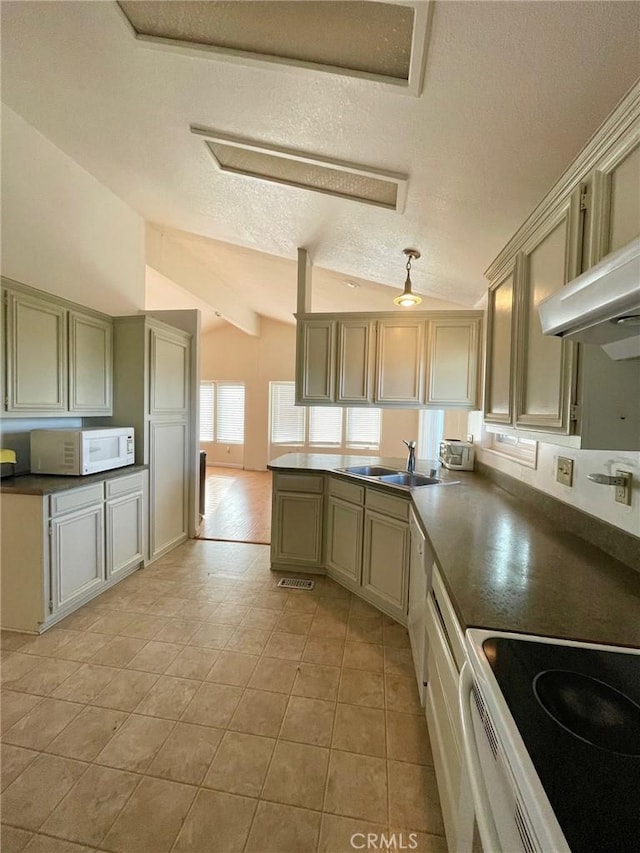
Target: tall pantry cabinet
(152, 394)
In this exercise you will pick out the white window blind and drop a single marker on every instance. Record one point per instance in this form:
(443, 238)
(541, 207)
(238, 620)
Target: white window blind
(207, 395)
(325, 426)
(287, 419)
(363, 428)
(430, 429)
(229, 427)
(523, 450)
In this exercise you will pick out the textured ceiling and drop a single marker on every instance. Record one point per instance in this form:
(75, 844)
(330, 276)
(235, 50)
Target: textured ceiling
(512, 91)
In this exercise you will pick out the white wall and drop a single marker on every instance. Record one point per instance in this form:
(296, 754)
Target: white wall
(64, 232)
(585, 495)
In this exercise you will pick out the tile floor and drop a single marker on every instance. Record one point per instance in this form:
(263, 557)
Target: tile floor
(196, 707)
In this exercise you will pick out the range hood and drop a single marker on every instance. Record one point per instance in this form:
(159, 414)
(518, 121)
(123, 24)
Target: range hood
(601, 306)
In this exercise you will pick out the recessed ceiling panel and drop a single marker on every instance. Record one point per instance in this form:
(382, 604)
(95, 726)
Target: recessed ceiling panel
(298, 169)
(384, 41)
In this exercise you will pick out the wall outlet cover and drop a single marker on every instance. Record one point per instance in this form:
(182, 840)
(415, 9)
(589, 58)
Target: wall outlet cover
(564, 470)
(623, 493)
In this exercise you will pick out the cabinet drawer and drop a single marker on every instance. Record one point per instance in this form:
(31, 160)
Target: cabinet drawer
(76, 498)
(347, 491)
(125, 485)
(388, 504)
(299, 483)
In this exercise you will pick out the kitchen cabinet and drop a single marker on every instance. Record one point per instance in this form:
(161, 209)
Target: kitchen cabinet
(61, 550)
(544, 387)
(57, 358)
(297, 522)
(427, 360)
(345, 518)
(385, 568)
(168, 460)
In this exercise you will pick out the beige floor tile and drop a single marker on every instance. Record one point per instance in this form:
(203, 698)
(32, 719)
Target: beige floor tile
(13, 840)
(168, 697)
(274, 674)
(217, 822)
(333, 606)
(81, 620)
(292, 622)
(136, 744)
(308, 721)
(408, 739)
(359, 729)
(360, 687)
(47, 844)
(361, 609)
(229, 614)
(87, 734)
(50, 643)
(37, 728)
(365, 630)
(259, 713)
(151, 820)
(85, 683)
(43, 678)
(112, 623)
(329, 626)
(251, 641)
(13, 706)
(144, 627)
(273, 600)
(118, 651)
(233, 668)
(193, 662)
(166, 605)
(297, 775)
(155, 657)
(324, 650)
(198, 611)
(401, 694)
(212, 636)
(332, 589)
(15, 665)
(177, 631)
(29, 800)
(369, 656)
(187, 753)
(13, 760)
(240, 764)
(213, 705)
(413, 798)
(421, 842)
(394, 634)
(336, 835)
(356, 786)
(277, 828)
(12, 641)
(260, 617)
(92, 805)
(398, 662)
(125, 690)
(84, 647)
(285, 646)
(317, 682)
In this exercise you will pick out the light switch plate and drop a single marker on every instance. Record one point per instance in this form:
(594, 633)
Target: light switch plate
(564, 471)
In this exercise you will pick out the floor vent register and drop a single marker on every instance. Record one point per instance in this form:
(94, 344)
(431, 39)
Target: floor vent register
(295, 583)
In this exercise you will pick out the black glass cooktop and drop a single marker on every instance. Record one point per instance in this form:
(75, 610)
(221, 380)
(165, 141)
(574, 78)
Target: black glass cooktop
(578, 712)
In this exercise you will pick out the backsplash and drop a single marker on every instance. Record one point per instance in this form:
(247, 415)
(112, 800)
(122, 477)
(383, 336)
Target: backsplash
(14, 435)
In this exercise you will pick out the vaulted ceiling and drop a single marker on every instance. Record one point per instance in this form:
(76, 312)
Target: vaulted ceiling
(511, 91)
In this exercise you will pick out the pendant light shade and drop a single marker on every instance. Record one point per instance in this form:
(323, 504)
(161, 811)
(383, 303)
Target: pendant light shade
(407, 299)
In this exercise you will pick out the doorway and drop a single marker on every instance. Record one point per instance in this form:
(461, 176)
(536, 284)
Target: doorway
(237, 505)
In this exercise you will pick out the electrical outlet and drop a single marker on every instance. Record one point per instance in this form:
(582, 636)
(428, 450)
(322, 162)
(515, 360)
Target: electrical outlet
(623, 493)
(564, 471)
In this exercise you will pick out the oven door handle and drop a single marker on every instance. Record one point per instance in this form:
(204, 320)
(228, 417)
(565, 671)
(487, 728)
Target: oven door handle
(486, 826)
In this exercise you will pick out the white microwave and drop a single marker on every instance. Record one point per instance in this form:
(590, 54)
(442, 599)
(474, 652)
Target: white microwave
(76, 452)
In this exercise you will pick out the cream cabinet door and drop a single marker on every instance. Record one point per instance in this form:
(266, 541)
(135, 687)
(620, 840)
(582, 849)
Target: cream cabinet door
(400, 362)
(545, 364)
(385, 563)
(90, 364)
(499, 368)
(168, 482)
(36, 370)
(452, 372)
(169, 373)
(124, 533)
(344, 541)
(315, 361)
(355, 361)
(77, 554)
(297, 529)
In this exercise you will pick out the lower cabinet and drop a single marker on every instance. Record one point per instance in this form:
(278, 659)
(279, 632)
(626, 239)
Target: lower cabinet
(61, 550)
(169, 463)
(297, 522)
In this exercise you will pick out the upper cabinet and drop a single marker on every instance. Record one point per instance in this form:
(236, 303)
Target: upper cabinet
(57, 359)
(425, 360)
(538, 384)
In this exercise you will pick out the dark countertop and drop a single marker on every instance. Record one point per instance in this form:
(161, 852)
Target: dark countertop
(47, 484)
(509, 567)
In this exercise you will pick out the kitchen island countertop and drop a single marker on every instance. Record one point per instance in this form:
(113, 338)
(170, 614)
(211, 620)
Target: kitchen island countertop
(508, 566)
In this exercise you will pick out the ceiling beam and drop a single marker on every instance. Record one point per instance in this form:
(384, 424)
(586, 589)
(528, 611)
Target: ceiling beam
(176, 263)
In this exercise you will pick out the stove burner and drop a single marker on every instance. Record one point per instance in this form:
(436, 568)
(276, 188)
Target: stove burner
(590, 710)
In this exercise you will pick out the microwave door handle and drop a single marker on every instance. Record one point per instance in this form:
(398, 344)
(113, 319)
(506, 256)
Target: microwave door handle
(486, 827)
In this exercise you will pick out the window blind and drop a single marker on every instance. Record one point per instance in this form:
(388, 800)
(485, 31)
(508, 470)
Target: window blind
(229, 427)
(363, 428)
(287, 420)
(207, 394)
(430, 429)
(325, 426)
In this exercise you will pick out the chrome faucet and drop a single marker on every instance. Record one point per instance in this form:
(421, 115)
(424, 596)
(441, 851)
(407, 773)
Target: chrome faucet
(411, 461)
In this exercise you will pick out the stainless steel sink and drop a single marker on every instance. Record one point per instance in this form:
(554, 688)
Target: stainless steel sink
(409, 480)
(369, 470)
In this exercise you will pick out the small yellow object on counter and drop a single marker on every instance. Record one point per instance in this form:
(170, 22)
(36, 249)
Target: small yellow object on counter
(7, 456)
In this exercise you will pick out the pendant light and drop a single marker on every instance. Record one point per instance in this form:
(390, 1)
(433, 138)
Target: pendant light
(407, 299)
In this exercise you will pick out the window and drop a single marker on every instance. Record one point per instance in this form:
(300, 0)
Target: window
(320, 426)
(522, 450)
(222, 412)
(430, 430)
